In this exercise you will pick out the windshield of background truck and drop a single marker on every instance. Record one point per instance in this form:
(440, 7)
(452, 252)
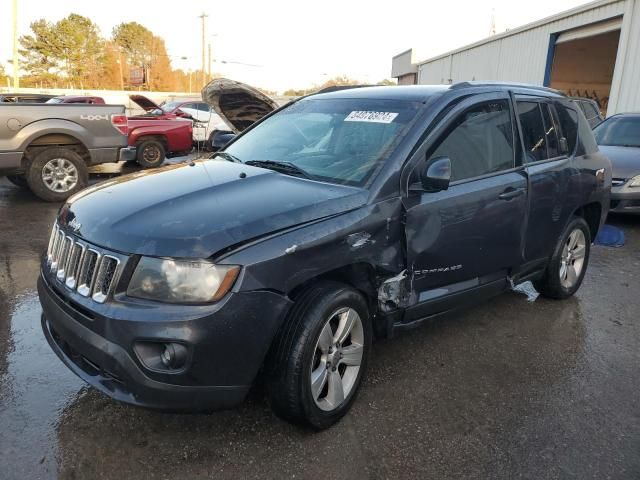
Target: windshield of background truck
(335, 140)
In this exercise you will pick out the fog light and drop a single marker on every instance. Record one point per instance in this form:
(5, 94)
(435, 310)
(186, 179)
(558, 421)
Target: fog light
(168, 355)
(173, 355)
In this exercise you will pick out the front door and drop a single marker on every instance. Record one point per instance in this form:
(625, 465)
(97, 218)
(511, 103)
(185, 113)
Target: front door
(471, 234)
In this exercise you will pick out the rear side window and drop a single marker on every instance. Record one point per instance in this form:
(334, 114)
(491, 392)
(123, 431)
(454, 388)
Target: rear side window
(479, 142)
(551, 132)
(533, 131)
(569, 125)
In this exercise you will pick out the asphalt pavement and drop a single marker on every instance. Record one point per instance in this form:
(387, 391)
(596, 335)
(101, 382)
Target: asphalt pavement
(509, 389)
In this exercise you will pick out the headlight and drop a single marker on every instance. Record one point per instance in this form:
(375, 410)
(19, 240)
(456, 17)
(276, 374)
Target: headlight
(181, 281)
(635, 181)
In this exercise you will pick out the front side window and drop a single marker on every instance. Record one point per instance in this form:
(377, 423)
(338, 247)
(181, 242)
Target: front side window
(533, 131)
(336, 140)
(479, 142)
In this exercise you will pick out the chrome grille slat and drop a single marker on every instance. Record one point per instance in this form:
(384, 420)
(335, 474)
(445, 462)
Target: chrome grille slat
(616, 182)
(67, 244)
(78, 265)
(87, 271)
(73, 264)
(104, 278)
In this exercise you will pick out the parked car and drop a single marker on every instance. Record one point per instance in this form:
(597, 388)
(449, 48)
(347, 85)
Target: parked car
(336, 218)
(591, 110)
(77, 99)
(48, 148)
(205, 121)
(157, 137)
(619, 139)
(24, 98)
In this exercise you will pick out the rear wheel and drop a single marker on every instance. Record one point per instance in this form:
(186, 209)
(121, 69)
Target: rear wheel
(150, 153)
(18, 180)
(321, 357)
(57, 173)
(568, 264)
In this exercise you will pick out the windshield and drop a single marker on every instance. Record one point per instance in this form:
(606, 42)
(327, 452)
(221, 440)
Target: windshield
(336, 140)
(55, 100)
(619, 131)
(170, 106)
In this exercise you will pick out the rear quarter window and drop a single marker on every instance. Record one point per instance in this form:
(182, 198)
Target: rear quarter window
(569, 124)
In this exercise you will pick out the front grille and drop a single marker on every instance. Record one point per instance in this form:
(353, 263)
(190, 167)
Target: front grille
(616, 182)
(81, 266)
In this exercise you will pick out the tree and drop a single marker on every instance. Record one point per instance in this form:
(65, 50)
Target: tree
(340, 80)
(39, 56)
(386, 81)
(70, 50)
(80, 49)
(143, 49)
(3, 76)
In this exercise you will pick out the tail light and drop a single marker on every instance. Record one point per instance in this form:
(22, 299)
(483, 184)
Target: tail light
(120, 122)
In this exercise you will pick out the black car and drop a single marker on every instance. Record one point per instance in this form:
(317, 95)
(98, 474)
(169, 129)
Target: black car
(338, 218)
(619, 139)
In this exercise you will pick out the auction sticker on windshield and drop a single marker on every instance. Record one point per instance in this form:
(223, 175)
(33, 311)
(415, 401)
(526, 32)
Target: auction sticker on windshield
(375, 117)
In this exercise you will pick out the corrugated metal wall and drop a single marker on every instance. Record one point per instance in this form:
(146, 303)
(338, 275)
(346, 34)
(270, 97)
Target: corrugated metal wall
(625, 89)
(522, 56)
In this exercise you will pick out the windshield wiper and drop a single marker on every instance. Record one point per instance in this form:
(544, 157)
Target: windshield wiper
(228, 157)
(282, 167)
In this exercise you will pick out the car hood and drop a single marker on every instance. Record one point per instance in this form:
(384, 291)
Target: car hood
(625, 160)
(238, 104)
(196, 210)
(145, 103)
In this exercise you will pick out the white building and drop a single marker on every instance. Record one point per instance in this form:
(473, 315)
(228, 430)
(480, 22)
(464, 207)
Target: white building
(590, 51)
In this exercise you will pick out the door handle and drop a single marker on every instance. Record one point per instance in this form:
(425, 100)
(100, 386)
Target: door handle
(510, 193)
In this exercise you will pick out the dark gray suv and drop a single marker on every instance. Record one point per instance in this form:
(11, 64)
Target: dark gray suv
(338, 218)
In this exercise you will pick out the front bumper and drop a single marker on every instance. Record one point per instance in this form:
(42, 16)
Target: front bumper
(226, 349)
(625, 199)
(127, 154)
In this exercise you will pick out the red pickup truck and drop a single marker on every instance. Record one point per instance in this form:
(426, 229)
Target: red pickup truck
(157, 134)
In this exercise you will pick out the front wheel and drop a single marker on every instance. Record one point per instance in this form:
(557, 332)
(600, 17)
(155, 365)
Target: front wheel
(321, 357)
(568, 265)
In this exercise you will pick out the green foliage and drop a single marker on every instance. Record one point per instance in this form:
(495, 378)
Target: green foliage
(71, 48)
(386, 81)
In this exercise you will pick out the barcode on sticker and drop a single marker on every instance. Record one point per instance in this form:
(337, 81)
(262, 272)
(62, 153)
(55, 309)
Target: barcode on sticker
(376, 117)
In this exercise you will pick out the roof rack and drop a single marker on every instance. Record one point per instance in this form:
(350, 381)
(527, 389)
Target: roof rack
(469, 84)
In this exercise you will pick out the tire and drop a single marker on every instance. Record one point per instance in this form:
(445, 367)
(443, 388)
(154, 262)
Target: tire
(150, 153)
(305, 349)
(570, 255)
(56, 173)
(18, 180)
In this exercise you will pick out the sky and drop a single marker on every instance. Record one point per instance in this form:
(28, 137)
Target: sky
(293, 43)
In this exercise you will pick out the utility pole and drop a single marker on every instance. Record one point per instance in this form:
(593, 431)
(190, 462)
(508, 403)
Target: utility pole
(16, 63)
(203, 17)
(209, 65)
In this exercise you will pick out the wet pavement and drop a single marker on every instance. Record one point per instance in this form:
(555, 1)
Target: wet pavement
(509, 389)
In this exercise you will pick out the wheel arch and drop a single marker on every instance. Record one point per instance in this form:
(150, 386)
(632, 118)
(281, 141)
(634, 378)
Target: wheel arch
(592, 214)
(49, 140)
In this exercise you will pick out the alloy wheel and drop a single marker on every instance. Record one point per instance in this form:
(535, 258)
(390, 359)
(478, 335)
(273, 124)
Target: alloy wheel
(572, 258)
(337, 359)
(60, 175)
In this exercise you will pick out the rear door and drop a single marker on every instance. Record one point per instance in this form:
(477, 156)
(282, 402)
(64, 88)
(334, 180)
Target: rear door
(471, 234)
(550, 175)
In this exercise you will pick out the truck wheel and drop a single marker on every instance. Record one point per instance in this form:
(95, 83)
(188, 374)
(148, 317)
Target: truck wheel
(18, 180)
(151, 153)
(568, 265)
(318, 363)
(56, 173)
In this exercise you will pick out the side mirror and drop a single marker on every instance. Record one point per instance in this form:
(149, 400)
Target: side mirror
(436, 175)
